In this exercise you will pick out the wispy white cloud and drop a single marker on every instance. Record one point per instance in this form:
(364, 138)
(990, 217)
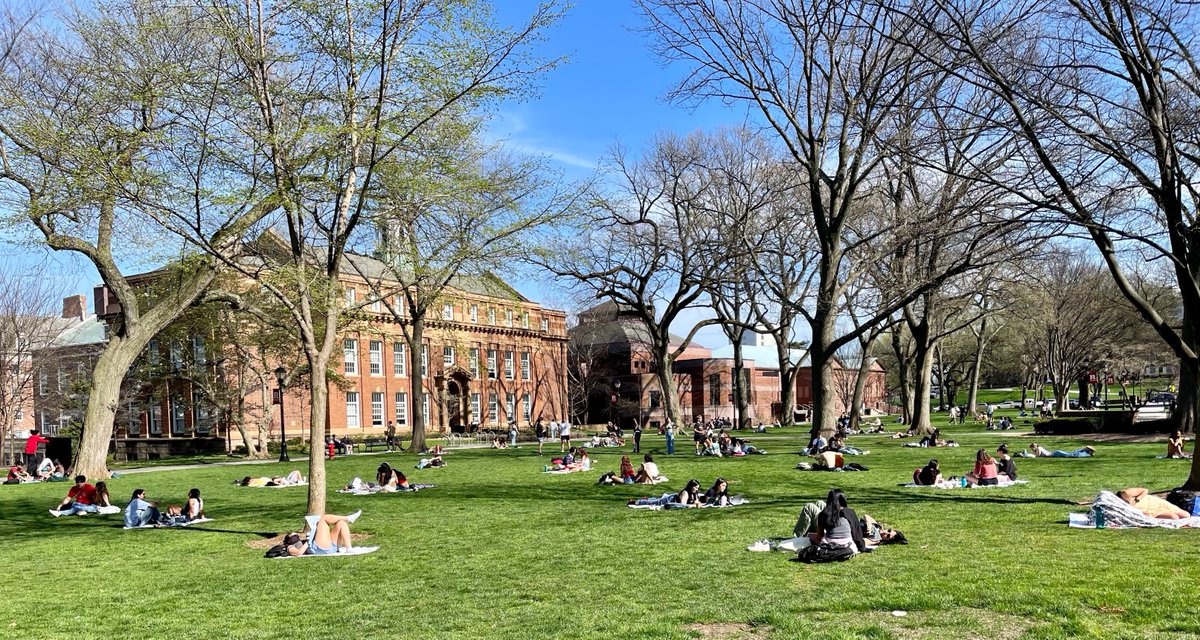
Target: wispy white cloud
(513, 130)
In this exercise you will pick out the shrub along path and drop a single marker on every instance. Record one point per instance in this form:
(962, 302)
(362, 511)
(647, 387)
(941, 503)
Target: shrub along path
(501, 550)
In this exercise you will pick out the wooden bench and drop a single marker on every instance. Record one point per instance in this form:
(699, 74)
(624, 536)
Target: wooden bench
(369, 444)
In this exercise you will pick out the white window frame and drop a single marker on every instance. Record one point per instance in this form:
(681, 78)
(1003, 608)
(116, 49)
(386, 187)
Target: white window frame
(376, 357)
(399, 359)
(475, 313)
(376, 408)
(524, 319)
(447, 312)
(474, 361)
(43, 382)
(448, 356)
(508, 317)
(377, 305)
(401, 407)
(350, 356)
(493, 407)
(476, 406)
(510, 406)
(492, 316)
(526, 407)
(198, 356)
(353, 420)
(351, 296)
(545, 325)
(425, 406)
(509, 363)
(492, 354)
(424, 359)
(526, 372)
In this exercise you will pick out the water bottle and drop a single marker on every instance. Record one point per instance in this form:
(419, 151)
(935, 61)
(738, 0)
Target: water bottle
(963, 480)
(1100, 523)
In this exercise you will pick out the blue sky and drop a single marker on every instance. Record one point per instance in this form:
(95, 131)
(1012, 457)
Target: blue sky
(612, 89)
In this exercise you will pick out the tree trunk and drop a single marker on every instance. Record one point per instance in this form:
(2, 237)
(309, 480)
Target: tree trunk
(741, 395)
(860, 389)
(416, 383)
(103, 399)
(666, 382)
(903, 376)
(922, 386)
(258, 449)
(976, 364)
(318, 388)
(787, 383)
(937, 350)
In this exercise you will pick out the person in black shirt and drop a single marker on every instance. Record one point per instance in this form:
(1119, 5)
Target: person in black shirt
(928, 475)
(1005, 465)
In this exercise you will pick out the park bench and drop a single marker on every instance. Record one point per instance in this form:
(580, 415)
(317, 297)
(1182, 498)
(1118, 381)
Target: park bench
(369, 444)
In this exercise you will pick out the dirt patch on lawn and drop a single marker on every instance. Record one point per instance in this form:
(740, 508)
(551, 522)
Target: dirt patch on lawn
(266, 543)
(728, 631)
(965, 623)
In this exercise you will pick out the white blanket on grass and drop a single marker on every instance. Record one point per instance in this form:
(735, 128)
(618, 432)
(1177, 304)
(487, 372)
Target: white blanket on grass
(734, 501)
(1119, 514)
(104, 511)
(953, 484)
(172, 526)
(353, 551)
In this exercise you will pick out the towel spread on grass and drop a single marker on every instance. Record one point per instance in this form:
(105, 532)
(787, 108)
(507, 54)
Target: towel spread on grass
(370, 492)
(172, 526)
(954, 484)
(278, 486)
(734, 501)
(1119, 514)
(104, 511)
(353, 551)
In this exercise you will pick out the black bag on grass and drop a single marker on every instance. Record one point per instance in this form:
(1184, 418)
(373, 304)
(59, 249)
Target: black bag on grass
(277, 551)
(824, 553)
(1182, 498)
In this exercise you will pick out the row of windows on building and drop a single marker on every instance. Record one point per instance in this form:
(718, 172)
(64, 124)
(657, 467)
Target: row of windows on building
(449, 358)
(400, 407)
(177, 417)
(472, 312)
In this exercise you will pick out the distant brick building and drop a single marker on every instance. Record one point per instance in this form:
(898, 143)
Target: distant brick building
(616, 347)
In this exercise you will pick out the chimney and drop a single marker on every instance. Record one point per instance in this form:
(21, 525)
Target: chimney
(75, 308)
(100, 295)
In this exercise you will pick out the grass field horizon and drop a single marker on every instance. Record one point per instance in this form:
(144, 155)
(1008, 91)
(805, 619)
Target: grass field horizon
(502, 550)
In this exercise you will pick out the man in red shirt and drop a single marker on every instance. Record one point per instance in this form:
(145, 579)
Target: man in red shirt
(81, 498)
(32, 459)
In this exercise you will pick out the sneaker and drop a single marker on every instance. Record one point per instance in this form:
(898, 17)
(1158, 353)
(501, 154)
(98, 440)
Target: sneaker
(55, 513)
(354, 516)
(761, 545)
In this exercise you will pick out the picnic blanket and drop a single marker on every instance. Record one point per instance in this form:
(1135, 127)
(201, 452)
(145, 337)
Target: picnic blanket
(954, 484)
(734, 501)
(1119, 514)
(353, 551)
(279, 486)
(172, 526)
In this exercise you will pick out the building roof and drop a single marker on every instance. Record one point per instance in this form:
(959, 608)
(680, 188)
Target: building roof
(485, 284)
(763, 357)
(90, 331)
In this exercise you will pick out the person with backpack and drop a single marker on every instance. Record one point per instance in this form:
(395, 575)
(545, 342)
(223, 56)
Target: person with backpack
(839, 532)
(323, 535)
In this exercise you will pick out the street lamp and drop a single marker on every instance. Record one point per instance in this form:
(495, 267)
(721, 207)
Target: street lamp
(616, 399)
(280, 372)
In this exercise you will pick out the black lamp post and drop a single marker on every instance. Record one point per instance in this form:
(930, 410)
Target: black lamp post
(280, 373)
(616, 400)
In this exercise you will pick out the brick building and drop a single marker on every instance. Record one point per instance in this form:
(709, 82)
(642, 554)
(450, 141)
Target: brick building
(489, 355)
(614, 347)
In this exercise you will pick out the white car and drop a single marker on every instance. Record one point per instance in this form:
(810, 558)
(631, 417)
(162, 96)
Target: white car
(1010, 404)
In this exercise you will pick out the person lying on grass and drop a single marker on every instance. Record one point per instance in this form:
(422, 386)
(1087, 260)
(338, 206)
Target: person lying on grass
(139, 512)
(717, 495)
(625, 475)
(687, 498)
(1152, 505)
(985, 473)
(928, 475)
(80, 500)
(1036, 450)
(322, 535)
(807, 527)
(433, 462)
(1006, 467)
(293, 478)
(1175, 446)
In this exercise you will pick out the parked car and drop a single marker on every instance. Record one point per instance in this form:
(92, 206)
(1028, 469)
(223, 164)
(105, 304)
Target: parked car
(1010, 404)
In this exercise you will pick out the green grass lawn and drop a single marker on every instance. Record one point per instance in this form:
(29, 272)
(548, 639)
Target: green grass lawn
(501, 550)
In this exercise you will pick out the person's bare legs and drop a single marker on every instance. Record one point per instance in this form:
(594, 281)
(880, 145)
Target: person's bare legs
(342, 534)
(321, 537)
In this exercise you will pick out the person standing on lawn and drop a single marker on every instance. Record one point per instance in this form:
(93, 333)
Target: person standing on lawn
(564, 435)
(670, 432)
(32, 457)
(539, 432)
(637, 437)
(390, 435)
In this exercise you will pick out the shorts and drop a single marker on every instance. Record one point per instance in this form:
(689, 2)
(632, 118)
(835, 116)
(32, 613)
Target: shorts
(989, 482)
(565, 437)
(313, 549)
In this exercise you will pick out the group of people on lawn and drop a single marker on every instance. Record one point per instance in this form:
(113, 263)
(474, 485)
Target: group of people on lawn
(84, 498)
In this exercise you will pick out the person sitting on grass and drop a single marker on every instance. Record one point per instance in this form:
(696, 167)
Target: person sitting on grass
(717, 495)
(45, 469)
(1152, 505)
(687, 498)
(1175, 446)
(193, 507)
(80, 500)
(828, 460)
(1038, 451)
(985, 473)
(139, 512)
(838, 525)
(499, 443)
(17, 475)
(391, 479)
(711, 448)
(102, 499)
(647, 472)
(323, 535)
(930, 440)
(626, 474)
(1005, 465)
(928, 475)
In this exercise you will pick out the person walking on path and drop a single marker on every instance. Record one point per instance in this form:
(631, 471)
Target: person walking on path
(637, 437)
(670, 431)
(539, 432)
(390, 434)
(564, 436)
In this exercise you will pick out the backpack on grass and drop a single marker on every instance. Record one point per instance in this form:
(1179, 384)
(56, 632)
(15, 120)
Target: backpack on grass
(824, 553)
(277, 551)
